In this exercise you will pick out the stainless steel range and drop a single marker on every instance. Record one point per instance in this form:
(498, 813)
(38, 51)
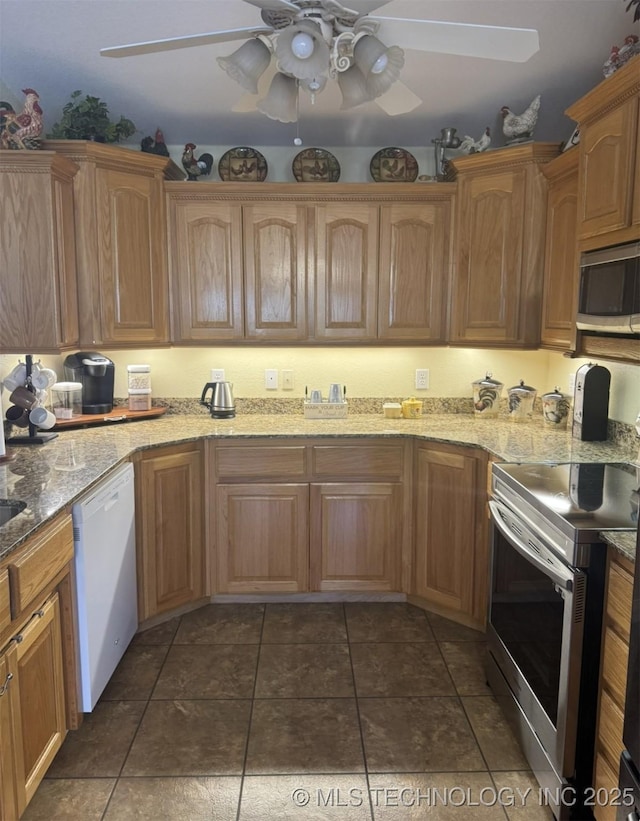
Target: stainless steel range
(548, 572)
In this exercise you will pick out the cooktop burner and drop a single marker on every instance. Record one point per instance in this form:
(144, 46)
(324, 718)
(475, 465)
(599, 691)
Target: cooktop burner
(585, 496)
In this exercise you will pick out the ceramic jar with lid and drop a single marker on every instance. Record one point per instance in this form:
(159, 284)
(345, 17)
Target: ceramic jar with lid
(486, 396)
(412, 408)
(521, 399)
(555, 409)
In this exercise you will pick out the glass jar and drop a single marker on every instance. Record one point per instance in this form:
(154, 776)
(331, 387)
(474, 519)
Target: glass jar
(140, 399)
(139, 377)
(66, 399)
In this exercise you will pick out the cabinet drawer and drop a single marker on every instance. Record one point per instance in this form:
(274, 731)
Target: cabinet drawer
(366, 461)
(260, 462)
(610, 727)
(619, 595)
(614, 665)
(5, 601)
(40, 562)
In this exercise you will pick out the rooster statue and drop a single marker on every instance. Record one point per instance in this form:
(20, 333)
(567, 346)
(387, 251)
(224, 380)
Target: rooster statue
(471, 146)
(155, 145)
(21, 130)
(200, 167)
(519, 128)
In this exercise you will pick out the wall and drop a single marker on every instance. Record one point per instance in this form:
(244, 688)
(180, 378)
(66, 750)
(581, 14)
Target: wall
(367, 372)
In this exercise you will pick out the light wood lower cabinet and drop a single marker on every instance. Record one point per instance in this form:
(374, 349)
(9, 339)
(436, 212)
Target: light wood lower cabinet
(170, 532)
(613, 678)
(35, 706)
(451, 531)
(262, 538)
(8, 715)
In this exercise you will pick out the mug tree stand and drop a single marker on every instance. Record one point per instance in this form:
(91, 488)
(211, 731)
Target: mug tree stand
(36, 436)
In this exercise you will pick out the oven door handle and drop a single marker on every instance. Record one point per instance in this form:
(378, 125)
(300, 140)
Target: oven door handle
(558, 574)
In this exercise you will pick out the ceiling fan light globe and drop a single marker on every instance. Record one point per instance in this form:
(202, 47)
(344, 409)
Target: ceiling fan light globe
(378, 83)
(314, 63)
(247, 64)
(281, 101)
(380, 64)
(353, 87)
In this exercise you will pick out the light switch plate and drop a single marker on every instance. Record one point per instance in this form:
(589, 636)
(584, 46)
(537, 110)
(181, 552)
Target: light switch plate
(271, 379)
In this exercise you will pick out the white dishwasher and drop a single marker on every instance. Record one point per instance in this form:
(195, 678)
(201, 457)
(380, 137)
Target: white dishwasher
(105, 565)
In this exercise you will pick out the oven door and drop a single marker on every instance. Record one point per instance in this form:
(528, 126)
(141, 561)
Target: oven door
(536, 626)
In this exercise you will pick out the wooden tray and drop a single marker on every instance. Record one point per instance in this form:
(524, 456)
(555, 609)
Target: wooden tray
(116, 415)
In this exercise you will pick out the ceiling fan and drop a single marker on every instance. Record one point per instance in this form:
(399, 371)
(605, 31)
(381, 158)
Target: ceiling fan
(314, 40)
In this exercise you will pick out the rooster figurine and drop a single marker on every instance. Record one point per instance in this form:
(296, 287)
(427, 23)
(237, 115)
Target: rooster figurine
(157, 145)
(519, 128)
(200, 167)
(21, 130)
(471, 146)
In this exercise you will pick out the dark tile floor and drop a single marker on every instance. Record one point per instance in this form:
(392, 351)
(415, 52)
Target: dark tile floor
(295, 711)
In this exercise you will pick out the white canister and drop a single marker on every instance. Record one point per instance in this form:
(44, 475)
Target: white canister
(555, 409)
(139, 377)
(66, 399)
(521, 399)
(486, 396)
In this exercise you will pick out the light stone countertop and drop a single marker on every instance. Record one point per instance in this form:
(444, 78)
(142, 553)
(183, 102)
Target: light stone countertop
(52, 476)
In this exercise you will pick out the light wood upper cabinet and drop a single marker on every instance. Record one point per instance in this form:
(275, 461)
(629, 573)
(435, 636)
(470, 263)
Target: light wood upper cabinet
(496, 291)
(561, 263)
(609, 210)
(346, 271)
(275, 262)
(413, 271)
(121, 245)
(170, 528)
(451, 543)
(38, 296)
(205, 259)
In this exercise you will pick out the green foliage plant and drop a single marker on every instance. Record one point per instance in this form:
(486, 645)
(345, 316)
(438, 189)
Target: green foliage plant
(88, 119)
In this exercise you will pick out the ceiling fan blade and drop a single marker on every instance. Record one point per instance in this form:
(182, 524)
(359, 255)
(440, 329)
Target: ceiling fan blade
(365, 6)
(399, 99)
(516, 45)
(275, 5)
(187, 41)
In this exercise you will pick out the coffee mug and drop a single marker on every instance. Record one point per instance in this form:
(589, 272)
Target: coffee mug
(42, 418)
(42, 378)
(17, 416)
(335, 392)
(18, 376)
(316, 396)
(23, 398)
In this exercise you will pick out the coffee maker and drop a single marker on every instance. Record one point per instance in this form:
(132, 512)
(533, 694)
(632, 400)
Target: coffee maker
(96, 373)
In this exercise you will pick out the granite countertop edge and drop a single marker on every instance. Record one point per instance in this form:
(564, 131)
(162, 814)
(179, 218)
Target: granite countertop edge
(51, 477)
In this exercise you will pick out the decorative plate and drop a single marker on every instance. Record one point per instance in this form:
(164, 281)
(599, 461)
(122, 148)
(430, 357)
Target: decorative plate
(315, 165)
(393, 165)
(242, 164)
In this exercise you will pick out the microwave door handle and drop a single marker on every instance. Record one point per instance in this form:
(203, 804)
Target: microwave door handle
(564, 580)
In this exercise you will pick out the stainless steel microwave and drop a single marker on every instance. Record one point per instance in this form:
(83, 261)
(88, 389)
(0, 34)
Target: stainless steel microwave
(609, 300)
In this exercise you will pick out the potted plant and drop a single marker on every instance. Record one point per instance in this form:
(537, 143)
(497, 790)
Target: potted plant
(88, 119)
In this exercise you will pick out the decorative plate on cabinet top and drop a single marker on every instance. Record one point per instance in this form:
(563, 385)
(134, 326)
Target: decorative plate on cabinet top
(242, 164)
(393, 165)
(315, 165)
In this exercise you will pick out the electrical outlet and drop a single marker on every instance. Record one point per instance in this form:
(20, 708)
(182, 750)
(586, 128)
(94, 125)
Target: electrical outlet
(217, 374)
(271, 379)
(572, 382)
(422, 379)
(287, 380)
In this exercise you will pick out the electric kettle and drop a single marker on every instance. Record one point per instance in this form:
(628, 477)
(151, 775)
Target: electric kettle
(221, 405)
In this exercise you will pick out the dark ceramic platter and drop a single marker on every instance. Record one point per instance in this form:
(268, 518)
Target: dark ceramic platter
(393, 165)
(242, 164)
(315, 165)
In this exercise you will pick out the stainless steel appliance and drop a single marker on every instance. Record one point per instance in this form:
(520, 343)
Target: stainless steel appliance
(96, 374)
(609, 299)
(548, 570)
(222, 405)
(629, 810)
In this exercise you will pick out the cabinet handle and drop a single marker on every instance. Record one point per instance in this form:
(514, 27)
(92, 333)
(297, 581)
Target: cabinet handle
(4, 687)
(37, 615)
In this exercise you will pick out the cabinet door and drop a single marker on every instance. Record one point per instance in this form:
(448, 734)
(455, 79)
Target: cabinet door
(38, 291)
(170, 542)
(132, 258)
(413, 271)
(40, 726)
(262, 538)
(206, 270)
(8, 718)
(346, 271)
(607, 147)
(561, 267)
(451, 563)
(275, 259)
(356, 536)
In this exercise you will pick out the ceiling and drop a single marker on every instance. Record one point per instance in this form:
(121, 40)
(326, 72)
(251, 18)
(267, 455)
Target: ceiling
(53, 46)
